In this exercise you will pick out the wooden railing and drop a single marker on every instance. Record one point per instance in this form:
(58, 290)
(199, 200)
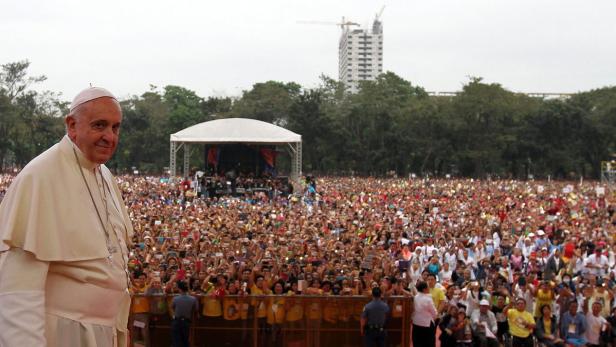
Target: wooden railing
(293, 321)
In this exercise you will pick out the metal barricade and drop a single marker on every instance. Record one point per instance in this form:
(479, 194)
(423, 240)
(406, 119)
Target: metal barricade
(270, 320)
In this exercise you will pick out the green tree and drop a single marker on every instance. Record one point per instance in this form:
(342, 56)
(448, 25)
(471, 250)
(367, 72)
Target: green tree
(214, 106)
(269, 102)
(29, 121)
(184, 108)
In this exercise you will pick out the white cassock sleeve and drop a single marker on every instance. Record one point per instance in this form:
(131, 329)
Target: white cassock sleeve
(22, 299)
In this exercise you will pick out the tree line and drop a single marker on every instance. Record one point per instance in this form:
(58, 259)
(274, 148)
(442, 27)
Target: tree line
(390, 125)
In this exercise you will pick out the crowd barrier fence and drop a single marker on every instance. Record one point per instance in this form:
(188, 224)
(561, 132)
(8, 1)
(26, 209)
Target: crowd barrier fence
(269, 320)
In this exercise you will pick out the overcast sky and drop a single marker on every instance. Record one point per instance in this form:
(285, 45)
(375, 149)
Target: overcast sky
(222, 47)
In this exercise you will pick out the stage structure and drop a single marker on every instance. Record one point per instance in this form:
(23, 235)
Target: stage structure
(235, 131)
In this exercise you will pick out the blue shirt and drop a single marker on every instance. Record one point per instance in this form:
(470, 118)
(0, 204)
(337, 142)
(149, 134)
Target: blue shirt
(375, 312)
(567, 321)
(184, 306)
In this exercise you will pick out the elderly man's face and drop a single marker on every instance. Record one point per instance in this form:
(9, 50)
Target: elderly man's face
(95, 128)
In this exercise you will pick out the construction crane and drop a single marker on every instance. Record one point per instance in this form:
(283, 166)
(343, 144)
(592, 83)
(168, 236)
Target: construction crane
(343, 24)
(378, 15)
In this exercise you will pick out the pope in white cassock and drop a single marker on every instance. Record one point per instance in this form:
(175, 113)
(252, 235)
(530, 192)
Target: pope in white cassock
(64, 232)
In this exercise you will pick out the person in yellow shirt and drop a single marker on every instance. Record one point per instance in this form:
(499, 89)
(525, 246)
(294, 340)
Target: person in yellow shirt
(438, 294)
(259, 305)
(545, 296)
(235, 314)
(140, 307)
(212, 305)
(295, 314)
(521, 323)
(294, 307)
(231, 306)
(276, 314)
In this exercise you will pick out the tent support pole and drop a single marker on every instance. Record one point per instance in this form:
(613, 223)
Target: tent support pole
(186, 159)
(295, 149)
(173, 150)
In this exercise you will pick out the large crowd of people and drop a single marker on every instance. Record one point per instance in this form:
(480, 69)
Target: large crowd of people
(501, 259)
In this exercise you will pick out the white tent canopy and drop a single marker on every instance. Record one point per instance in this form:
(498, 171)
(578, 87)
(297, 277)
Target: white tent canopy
(236, 130)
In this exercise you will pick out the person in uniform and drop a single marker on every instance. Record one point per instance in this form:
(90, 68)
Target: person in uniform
(64, 234)
(184, 307)
(373, 319)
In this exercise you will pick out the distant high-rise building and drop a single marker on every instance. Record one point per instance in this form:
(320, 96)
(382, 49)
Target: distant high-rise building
(360, 54)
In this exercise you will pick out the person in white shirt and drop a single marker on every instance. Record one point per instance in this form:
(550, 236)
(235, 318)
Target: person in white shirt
(497, 240)
(471, 296)
(490, 247)
(484, 325)
(612, 257)
(414, 272)
(577, 263)
(445, 273)
(480, 251)
(419, 256)
(528, 245)
(596, 264)
(466, 258)
(429, 247)
(595, 323)
(424, 316)
(542, 241)
(542, 258)
(451, 258)
(525, 290)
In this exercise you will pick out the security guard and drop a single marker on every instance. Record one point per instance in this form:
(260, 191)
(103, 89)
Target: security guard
(373, 320)
(184, 307)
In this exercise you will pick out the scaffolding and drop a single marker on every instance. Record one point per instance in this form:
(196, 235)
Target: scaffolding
(295, 151)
